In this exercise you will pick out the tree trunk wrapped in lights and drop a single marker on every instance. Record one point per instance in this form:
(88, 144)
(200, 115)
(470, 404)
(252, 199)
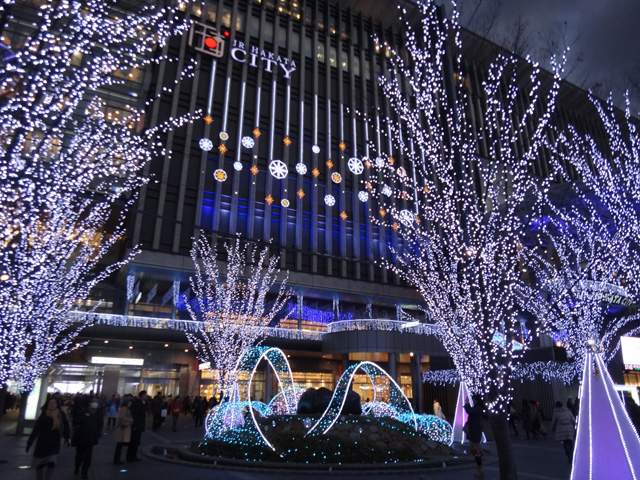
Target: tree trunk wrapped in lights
(594, 241)
(232, 308)
(587, 271)
(457, 213)
(68, 166)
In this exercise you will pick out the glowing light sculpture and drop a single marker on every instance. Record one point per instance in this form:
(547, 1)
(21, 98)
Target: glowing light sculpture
(607, 444)
(380, 380)
(228, 420)
(231, 308)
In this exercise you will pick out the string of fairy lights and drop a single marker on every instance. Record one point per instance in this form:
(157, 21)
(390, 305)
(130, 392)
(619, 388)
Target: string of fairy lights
(457, 219)
(244, 423)
(68, 168)
(232, 309)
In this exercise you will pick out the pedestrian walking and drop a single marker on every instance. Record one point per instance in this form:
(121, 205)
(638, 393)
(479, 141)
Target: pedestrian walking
(563, 424)
(138, 412)
(87, 431)
(176, 408)
(50, 431)
(122, 435)
(112, 410)
(474, 429)
(513, 416)
(437, 410)
(199, 410)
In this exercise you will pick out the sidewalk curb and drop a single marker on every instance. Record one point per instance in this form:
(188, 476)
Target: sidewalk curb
(186, 457)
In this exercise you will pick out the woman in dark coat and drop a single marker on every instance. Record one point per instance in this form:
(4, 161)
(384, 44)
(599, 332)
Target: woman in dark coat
(87, 431)
(475, 429)
(50, 431)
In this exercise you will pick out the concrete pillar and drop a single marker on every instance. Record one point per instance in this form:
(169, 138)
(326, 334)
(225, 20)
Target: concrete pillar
(393, 369)
(267, 380)
(183, 381)
(300, 299)
(416, 383)
(110, 380)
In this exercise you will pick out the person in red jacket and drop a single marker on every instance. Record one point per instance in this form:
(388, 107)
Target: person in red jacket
(176, 408)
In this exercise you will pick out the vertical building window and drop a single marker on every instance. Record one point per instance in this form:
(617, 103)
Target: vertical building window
(320, 52)
(254, 27)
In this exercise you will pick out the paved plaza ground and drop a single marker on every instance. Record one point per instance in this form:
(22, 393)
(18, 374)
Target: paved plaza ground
(535, 460)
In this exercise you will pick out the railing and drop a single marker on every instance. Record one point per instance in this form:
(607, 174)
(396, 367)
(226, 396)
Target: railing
(277, 332)
(382, 324)
(185, 325)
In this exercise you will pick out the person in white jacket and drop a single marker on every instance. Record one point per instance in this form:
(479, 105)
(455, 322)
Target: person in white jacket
(437, 410)
(563, 424)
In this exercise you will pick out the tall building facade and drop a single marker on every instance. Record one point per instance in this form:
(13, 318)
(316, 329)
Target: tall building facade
(291, 120)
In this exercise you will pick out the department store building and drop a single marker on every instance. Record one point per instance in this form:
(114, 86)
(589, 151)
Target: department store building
(291, 110)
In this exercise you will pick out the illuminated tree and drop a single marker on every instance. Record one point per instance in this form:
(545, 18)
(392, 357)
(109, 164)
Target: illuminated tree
(458, 216)
(68, 166)
(587, 271)
(232, 308)
(597, 260)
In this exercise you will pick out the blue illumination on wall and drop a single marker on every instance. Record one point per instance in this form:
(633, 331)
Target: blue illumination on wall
(316, 313)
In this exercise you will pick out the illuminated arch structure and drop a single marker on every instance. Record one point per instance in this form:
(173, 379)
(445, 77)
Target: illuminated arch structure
(238, 413)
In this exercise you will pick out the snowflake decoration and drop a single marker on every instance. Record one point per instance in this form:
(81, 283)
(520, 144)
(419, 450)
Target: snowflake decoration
(330, 200)
(237, 166)
(254, 169)
(336, 177)
(208, 119)
(355, 165)
(383, 212)
(256, 132)
(392, 160)
(343, 215)
(315, 149)
(343, 146)
(406, 217)
(224, 136)
(301, 194)
(329, 163)
(402, 172)
(425, 190)
(315, 172)
(395, 226)
(363, 196)
(205, 144)
(278, 169)
(301, 168)
(367, 163)
(284, 202)
(248, 142)
(269, 199)
(386, 190)
(379, 162)
(222, 148)
(220, 175)
(287, 141)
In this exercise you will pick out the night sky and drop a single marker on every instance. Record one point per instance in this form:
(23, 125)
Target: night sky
(606, 33)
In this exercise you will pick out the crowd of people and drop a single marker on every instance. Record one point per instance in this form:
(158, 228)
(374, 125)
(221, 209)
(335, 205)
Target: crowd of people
(78, 421)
